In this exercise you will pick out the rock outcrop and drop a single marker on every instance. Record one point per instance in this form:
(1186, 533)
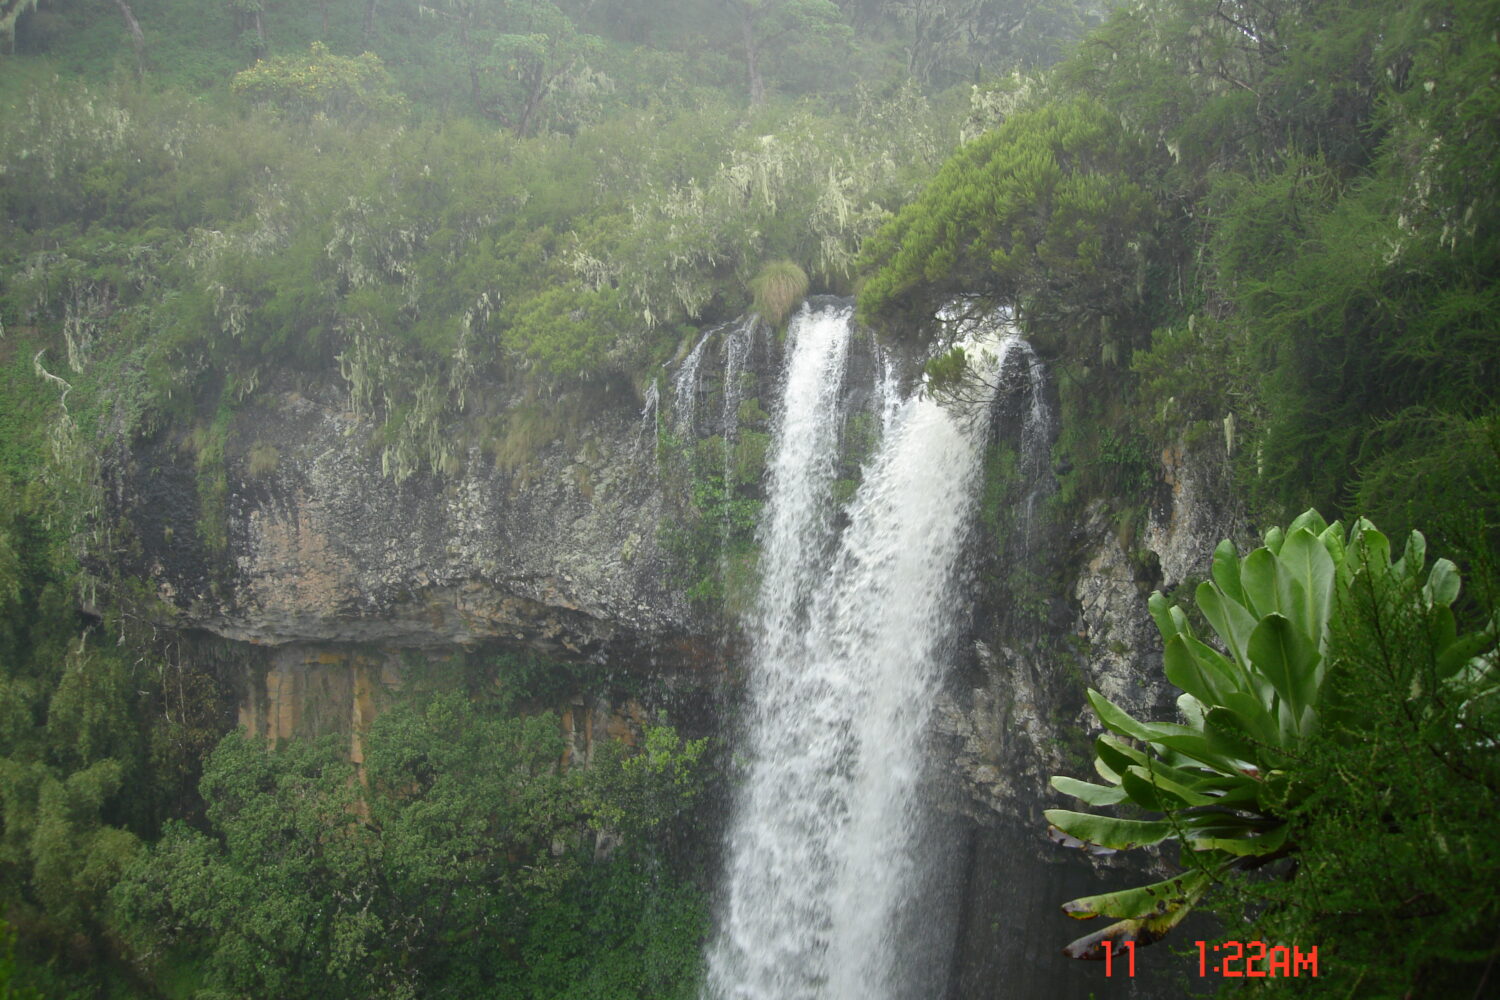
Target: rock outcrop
(561, 555)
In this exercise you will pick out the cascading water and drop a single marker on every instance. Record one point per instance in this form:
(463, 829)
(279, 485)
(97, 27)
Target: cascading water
(851, 634)
(685, 389)
(650, 416)
(737, 345)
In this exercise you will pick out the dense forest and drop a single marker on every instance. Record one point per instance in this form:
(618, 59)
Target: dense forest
(1269, 224)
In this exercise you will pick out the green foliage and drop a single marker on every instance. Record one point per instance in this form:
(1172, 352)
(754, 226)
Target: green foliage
(1290, 257)
(778, 288)
(320, 83)
(1042, 213)
(159, 239)
(566, 330)
(9, 990)
(1392, 828)
(1232, 784)
(713, 547)
(617, 930)
(457, 859)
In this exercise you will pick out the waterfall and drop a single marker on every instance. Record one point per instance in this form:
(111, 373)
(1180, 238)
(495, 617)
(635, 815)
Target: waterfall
(736, 353)
(829, 832)
(650, 416)
(685, 389)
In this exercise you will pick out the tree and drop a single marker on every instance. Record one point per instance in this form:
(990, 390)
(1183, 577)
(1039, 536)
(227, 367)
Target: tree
(519, 56)
(763, 25)
(1228, 783)
(320, 83)
(1044, 214)
(442, 866)
(248, 19)
(952, 40)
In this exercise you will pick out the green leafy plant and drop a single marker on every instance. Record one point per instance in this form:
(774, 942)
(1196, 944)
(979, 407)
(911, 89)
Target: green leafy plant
(1224, 783)
(321, 82)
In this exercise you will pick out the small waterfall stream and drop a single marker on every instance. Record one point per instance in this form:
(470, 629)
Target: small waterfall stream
(825, 861)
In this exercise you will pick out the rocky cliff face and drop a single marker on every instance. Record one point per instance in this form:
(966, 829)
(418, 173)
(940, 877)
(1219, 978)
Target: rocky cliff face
(1019, 716)
(561, 555)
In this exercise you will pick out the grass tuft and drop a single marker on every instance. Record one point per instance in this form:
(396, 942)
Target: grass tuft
(778, 288)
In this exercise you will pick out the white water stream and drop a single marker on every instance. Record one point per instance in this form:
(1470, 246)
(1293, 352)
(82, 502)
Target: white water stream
(850, 642)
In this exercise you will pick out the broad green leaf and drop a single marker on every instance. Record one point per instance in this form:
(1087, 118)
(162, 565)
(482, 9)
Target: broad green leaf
(1193, 744)
(1116, 755)
(1200, 670)
(1230, 734)
(1094, 795)
(1118, 720)
(1226, 571)
(1368, 550)
(1244, 847)
(1463, 650)
(1273, 539)
(1186, 771)
(1161, 613)
(1107, 831)
(1102, 768)
(1258, 576)
(1443, 582)
(1143, 901)
(1309, 520)
(1192, 710)
(1183, 739)
(1413, 558)
(1256, 716)
(1288, 659)
(1305, 562)
(1238, 791)
(1164, 784)
(1332, 538)
(1229, 618)
(1144, 793)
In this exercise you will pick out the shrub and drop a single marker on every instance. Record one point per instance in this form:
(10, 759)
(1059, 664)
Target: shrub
(1233, 785)
(321, 83)
(778, 288)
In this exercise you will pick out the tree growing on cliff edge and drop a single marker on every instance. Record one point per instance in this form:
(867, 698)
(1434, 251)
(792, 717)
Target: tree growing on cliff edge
(1046, 214)
(1344, 714)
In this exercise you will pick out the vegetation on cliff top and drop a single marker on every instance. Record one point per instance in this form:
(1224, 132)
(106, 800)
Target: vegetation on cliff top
(1272, 224)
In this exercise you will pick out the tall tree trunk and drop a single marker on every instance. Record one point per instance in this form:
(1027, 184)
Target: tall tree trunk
(137, 36)
(752, 61)
(369, 27)
(463, 41)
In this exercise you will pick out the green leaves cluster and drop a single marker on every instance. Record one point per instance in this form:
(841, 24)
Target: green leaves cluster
(155, 244)
(321, 83)
(445, 863)
(1228, 781)
(1041, 213)
(1278, 213)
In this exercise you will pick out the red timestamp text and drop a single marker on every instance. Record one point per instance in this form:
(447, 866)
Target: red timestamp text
(1229, 959)
(1255, 959)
